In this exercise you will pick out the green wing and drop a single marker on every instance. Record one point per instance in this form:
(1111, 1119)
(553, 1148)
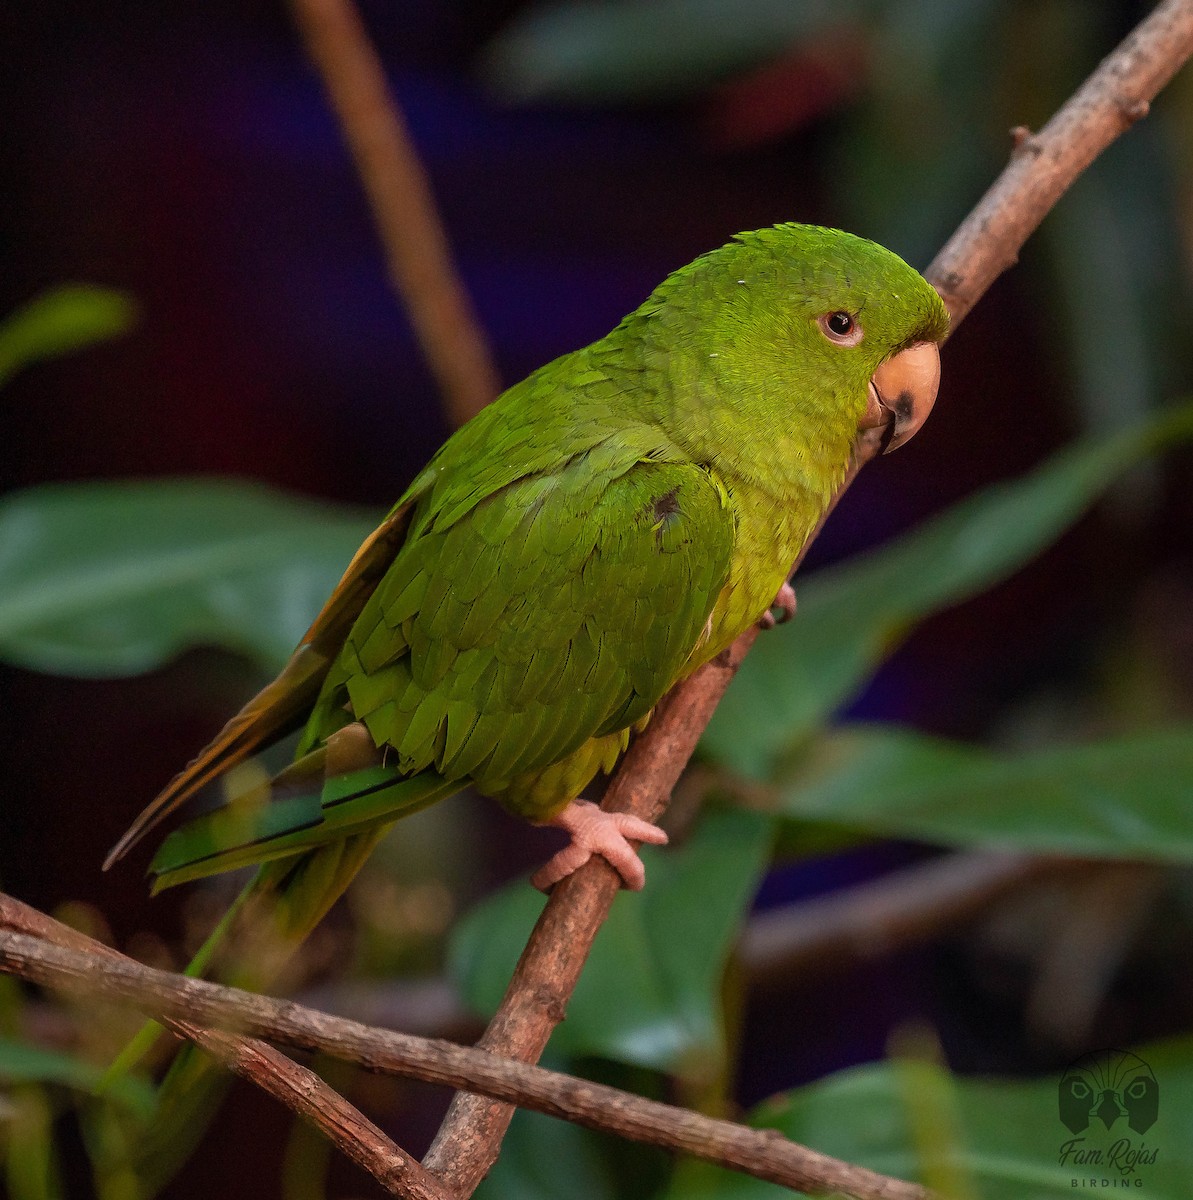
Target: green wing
(558, 608)
(501, 639)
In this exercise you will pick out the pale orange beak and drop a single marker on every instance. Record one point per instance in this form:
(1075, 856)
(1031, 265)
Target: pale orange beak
(902, 393)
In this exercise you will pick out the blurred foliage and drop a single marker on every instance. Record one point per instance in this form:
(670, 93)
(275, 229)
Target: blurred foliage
(649, 993)
(22, 1063)
(114, 578)
(110, 578)
(1125, 797)
(66, 318)
(587, 51)
(1004, 1139)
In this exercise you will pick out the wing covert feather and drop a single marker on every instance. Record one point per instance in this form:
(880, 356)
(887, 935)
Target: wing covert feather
(282, 706)
(555, 609)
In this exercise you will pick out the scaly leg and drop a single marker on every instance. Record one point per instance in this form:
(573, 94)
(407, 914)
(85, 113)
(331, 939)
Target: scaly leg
(595, 831)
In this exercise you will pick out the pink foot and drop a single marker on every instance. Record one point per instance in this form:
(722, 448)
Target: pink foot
(784, 601)
(595, 831)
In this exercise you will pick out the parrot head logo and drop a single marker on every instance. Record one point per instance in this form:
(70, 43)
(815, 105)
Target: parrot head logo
(1106, 1086)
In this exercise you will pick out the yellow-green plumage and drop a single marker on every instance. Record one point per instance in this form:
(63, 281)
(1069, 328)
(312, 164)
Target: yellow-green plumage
(597, 533)
(512, 637)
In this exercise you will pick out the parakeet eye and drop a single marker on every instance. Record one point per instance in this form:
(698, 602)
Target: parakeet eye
(841, 327)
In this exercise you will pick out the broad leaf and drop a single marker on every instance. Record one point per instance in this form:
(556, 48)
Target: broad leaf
(64, 319)
(115, 578)
(1011, 1139)
(545, 1159)
(649, 995)
(853, 615)
(1126, 797)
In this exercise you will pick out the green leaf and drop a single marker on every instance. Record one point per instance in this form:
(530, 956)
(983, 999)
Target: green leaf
(58, 321)
(21, 1062)
(1011, 1135)
(1125, 797)
(531, 1166)
(649, 995)
(30, 1161)
(591, 51)
(930, 1105)
(853, 615)
(116, 578)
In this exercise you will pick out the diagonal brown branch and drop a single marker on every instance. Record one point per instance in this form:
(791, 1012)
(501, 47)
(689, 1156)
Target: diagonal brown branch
(1044, 165)
(987, 242)
(299, 1089)
(163, 995)
(416, 244)
(308, 1097)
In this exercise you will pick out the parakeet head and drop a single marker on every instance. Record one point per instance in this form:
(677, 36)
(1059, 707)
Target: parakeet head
(800, 325)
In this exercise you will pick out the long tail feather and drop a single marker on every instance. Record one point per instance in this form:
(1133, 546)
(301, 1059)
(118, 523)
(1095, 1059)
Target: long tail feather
(245, 835)
(275, 711)
(310, 839)
(308, 846)
(283, 705)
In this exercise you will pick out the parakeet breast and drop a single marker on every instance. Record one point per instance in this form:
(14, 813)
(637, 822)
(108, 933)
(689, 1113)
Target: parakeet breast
(773, 522)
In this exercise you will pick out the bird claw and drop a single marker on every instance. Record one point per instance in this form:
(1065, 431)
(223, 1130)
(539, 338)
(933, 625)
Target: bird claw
(595, 831)
(784, 601)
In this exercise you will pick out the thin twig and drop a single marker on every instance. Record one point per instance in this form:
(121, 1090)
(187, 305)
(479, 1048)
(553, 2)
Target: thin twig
(1044, 165)
(1078, 963)
(299, 1089)
(883, 915)
(416, 245)
(987, 242)
(164, 995)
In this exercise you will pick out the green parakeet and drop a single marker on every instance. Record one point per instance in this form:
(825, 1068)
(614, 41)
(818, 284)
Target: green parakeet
(593, 536)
